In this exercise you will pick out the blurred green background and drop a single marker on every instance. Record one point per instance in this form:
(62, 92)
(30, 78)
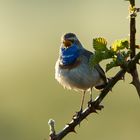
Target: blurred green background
(30, 32)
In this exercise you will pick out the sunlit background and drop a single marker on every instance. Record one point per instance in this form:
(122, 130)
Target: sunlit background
(30, 32)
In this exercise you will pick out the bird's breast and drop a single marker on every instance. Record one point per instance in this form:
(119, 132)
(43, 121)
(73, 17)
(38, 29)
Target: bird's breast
(69, 55)
(80, 77)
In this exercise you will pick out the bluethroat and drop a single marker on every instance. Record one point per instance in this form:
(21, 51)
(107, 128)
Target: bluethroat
(72, 69)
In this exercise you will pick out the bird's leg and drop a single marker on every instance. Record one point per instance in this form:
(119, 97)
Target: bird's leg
(81, 107)
(82, 103)
(90, 101)
(91, 95)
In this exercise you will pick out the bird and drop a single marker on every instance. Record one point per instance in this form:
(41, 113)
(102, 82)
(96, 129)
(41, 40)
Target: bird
(72, 69)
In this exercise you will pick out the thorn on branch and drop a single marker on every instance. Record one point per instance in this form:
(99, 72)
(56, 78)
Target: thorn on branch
(138, 46)
(136, 81)
(74, 131)
(138, 9)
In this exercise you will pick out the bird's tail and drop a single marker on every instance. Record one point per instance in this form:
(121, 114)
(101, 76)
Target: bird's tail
(101, 86)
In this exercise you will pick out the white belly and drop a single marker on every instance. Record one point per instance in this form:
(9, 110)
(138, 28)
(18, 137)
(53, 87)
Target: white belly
(80, 78)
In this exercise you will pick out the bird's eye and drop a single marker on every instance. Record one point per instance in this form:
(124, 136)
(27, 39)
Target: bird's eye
(68, 41)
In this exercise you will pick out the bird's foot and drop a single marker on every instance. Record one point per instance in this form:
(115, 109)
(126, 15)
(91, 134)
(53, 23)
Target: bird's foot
(78, 114)
(94, 106)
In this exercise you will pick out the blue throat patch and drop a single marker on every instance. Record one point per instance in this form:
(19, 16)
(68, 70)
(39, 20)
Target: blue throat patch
(69, 55)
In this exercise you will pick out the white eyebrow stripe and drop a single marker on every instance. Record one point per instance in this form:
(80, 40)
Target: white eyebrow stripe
(68, 56)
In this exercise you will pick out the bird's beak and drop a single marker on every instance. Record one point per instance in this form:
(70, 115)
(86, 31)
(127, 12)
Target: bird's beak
(67, 43)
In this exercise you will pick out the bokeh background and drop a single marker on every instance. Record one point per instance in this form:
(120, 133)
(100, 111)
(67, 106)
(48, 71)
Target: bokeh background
(30, 32)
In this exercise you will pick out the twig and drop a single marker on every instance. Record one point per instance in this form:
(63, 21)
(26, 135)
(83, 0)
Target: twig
(51, 123)
(95, 105)
(132, 31)
(134, 72)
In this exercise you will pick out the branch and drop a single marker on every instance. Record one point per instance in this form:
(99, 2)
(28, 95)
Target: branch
(94, 106)
(132, 30)
(134, 72)
(130, 67)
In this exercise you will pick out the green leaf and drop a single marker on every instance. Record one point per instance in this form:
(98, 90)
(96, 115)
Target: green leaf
(120, 45)
(95, 59)
(98, 56)
(118, 53)
(110, 65)
(108, 54)
(99, 44)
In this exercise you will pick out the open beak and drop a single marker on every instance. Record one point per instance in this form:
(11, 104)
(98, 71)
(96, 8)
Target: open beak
(67, 43)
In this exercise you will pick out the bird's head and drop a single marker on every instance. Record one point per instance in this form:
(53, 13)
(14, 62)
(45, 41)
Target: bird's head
(70, 48)
(68, 40)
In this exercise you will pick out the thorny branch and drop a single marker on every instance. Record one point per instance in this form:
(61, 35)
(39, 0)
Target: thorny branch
(134, 72)
(95, 105)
